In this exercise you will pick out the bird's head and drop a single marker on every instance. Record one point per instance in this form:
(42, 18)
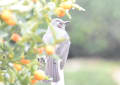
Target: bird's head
(59, 23)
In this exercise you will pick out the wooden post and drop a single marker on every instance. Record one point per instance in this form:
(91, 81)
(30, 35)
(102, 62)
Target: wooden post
(61, 76)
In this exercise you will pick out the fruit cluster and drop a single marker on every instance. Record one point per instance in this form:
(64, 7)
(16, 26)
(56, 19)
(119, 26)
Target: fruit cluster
(22, 25)
(61, 10)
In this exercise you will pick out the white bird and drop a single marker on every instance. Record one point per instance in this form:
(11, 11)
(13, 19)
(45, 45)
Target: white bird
(54, 67)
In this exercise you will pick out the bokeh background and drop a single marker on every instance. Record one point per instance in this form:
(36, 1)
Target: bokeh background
(94, 57)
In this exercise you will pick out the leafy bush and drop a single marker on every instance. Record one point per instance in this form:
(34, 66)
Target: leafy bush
(21, 31)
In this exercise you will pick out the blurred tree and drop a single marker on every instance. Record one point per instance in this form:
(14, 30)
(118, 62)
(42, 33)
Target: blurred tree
(96, 31)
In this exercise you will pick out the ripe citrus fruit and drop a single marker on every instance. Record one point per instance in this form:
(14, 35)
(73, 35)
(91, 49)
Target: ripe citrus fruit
(10, 22)
(60, 12)
(25, 61)
(35, 1)
(15, 37)
(33, 81)
(39, 50)
(7, 16)
(18, 67)
(50, 49)
(39, 75)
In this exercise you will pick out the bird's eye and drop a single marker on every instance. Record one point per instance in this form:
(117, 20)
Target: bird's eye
(60, 23)
(57, 22)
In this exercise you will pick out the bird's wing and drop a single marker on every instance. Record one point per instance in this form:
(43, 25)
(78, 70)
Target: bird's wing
(62, 51)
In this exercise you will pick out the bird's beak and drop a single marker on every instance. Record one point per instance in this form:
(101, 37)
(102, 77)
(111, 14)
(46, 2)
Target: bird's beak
(67, 22)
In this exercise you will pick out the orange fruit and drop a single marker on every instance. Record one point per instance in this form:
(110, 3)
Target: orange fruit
(39, 75)
(34, 1)
(50, 49)
(15, 37)
(66, 5)
(10, 22)
(60, 12)
(39, 50)
(6, 15)
(18, 67)
(25, 61)
(33, 81)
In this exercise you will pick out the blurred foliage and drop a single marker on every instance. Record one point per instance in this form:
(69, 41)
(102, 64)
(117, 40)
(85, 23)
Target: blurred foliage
(96, 31)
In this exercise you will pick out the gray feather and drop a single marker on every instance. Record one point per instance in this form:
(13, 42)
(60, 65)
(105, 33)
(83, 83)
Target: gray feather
(62, 51)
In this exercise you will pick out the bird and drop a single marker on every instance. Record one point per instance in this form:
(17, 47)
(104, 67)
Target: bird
(55, 68)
